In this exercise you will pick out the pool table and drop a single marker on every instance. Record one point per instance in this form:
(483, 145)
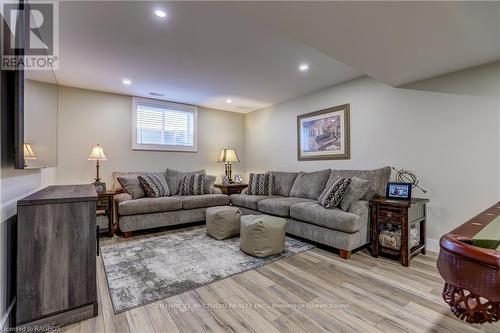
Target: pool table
(469, 262)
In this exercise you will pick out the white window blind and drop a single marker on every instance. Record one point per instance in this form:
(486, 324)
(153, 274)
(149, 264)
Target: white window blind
(163, 126)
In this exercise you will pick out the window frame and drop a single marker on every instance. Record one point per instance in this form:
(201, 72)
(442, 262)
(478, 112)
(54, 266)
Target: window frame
(169, 105)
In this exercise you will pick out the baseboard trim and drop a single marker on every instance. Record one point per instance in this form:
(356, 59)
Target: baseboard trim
(432, 245)
(7, 315)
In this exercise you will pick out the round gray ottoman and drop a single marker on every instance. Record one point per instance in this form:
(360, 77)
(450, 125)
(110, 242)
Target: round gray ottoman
(223, 222)
(262, 235)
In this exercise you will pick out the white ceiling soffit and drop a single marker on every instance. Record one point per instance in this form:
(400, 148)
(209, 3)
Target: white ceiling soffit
(201, 53)
(394, 42)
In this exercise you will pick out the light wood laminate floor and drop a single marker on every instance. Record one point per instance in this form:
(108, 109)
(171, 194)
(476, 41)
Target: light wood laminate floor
(314, 291)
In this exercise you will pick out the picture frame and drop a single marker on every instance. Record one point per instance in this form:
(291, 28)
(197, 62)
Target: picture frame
(100, 187)
(398, 191)
(324, 134)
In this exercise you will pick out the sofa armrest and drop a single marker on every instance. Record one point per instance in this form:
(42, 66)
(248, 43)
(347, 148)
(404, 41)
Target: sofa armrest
(121, 197)
(361, 208)
(216, 190)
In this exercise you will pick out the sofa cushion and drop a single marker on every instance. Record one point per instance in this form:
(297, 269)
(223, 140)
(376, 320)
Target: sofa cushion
(334, 192)
(283, 182)
(357, 189)
(132, 186)
(309, 184)
(378, 179)
(117, 187)
(248, 201)
(208, 185)
(192, 184)
(279, 206)
(204, 200)
(174, 179)
(335, 218)
(260, 184)
(154, 184)
(149, 205)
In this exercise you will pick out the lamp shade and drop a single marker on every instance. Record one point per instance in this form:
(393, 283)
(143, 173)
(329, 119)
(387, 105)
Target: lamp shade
(97, 154)
(228, 155)
(29, 154)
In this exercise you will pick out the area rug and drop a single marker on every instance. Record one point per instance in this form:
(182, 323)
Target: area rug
(143, 271)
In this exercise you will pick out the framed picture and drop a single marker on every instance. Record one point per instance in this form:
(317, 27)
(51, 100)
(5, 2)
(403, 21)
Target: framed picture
(100, 187)
(324, 134)
(399, 191)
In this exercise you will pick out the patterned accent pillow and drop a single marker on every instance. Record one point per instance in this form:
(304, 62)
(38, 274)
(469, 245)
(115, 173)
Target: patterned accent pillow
(154, 185)
(334, 192)
(260, 184)
(192, 184)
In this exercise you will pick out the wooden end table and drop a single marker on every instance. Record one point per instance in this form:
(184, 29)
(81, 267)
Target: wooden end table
(231, 188)
(105, 208)
(405, 214)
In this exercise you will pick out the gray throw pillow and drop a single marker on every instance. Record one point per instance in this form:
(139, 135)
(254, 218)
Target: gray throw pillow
(283, 182)
(260, 184)
(309, 185)
(192, 184)
(334, 192)
(208, 187)
(357, 189)
(174, 179)
(154, 184)
(132, 186)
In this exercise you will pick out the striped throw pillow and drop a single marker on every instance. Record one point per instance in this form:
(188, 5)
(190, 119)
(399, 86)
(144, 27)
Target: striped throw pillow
(154, 185)
(192, 184)
(334, 192)
(260, 184)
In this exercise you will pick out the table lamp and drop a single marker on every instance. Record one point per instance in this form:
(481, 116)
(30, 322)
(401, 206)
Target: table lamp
(97, 154)
(29, 154)
(228, 156)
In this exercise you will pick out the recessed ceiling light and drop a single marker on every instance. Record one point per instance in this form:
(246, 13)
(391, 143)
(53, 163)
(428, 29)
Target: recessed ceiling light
(127, 82)
(160, 13)
(229, 101)
(303, 67)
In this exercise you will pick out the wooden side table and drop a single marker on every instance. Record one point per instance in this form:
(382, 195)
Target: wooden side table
(231, 188)
(105, 209)
(404, 214)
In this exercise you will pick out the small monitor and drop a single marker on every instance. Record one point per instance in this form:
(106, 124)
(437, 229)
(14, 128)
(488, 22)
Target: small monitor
(399, 191)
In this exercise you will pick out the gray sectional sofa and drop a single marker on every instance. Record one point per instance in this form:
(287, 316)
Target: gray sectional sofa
(148, 213)
(296, 199)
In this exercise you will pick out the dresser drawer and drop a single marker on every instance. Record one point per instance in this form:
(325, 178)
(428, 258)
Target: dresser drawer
(389, 214)
(102, 203)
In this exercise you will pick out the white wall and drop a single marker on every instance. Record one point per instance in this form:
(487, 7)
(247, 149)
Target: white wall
(451, 141)
(89, 117)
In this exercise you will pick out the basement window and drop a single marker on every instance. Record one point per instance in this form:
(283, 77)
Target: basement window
(164, 126)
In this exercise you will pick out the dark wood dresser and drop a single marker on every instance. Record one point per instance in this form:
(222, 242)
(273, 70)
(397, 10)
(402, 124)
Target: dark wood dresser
(56, 256)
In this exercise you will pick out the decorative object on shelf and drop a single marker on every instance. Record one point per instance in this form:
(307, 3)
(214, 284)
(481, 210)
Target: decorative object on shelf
(391, 238)
(228, 156)
(97, 154)
(29, 154)
(402, 215)
(407, 176)
(398, 191)
(324, 134)
(238, 179)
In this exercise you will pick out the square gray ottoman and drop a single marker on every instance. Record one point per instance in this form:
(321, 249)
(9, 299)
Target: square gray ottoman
(262, 235)
(223, 222)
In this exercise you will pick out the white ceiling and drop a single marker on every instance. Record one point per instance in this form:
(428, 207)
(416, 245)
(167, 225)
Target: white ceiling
(204, 53)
